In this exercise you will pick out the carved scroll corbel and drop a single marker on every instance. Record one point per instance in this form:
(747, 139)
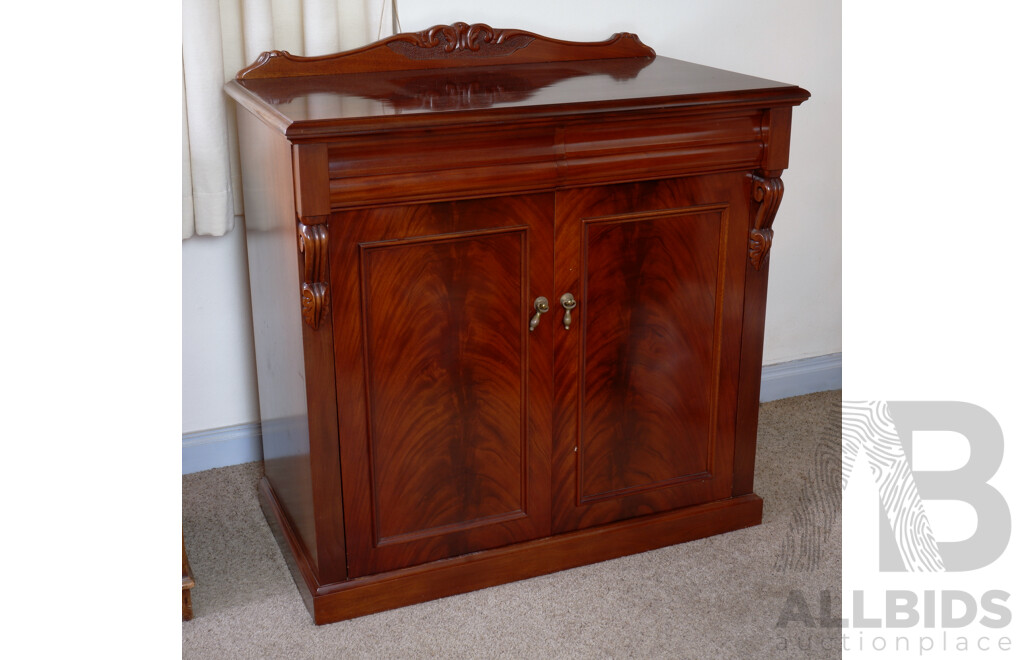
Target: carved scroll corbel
(313, 246)
(767, 194)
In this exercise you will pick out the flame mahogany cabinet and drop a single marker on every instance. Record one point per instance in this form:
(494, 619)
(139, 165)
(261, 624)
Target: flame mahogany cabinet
(508, 299)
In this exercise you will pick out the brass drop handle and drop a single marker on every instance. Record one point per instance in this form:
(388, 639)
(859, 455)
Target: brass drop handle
(569, 303)
(540, 305)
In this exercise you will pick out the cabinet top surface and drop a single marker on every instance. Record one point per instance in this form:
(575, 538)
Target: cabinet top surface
(310, 96)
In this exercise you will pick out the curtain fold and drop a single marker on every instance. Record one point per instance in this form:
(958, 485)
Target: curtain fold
(219, 37)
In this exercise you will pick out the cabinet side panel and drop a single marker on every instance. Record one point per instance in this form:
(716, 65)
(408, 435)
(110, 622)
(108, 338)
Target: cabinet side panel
(277, 325)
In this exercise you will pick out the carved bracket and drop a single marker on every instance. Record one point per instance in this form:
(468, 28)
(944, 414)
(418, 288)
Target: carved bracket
(767, 194)
(313, 246)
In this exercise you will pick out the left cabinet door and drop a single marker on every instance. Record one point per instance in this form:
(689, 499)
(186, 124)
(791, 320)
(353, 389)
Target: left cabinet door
(444, 394)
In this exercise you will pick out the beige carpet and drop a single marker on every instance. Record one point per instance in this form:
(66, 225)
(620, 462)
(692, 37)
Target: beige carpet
(720, 597)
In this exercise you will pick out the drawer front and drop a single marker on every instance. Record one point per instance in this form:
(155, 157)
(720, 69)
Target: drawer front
(427, 166)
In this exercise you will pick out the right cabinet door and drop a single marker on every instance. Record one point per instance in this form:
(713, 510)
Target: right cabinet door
(646, 371)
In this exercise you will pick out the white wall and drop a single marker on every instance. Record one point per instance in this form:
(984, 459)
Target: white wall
(795, 41)
(218, 368)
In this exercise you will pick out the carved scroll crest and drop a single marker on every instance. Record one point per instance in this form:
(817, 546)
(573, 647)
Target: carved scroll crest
(313, 246)
(459, 39)
(767, 194)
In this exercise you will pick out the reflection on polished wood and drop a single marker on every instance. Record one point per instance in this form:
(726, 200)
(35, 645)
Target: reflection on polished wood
(444, 90)
(414, 208)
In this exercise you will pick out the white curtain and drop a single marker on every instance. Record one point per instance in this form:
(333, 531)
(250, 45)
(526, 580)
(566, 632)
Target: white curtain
(220, 37)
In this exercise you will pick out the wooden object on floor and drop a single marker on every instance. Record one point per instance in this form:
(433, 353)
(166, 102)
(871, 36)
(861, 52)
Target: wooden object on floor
(508, 304)
(187, 583)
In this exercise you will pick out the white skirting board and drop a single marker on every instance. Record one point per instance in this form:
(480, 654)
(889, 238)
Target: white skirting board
(816, 374)
(205, 450)
(231, 445)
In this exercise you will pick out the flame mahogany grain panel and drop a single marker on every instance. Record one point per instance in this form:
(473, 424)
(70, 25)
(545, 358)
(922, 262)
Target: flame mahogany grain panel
(649, 350)
(646, 415)
(446, 447)
(446, 377)
(406, 203)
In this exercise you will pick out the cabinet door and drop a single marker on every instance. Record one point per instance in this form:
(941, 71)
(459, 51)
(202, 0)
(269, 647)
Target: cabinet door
(645, 376)
(444, 395)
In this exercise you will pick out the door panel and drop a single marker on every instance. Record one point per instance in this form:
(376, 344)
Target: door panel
(445, 440)
(651, 292)
(446, 381)
(645, 414)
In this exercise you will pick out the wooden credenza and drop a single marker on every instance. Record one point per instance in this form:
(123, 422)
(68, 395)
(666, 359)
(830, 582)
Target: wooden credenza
(508, 304)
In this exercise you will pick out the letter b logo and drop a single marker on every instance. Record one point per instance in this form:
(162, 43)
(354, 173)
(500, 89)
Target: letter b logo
(883, 430)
